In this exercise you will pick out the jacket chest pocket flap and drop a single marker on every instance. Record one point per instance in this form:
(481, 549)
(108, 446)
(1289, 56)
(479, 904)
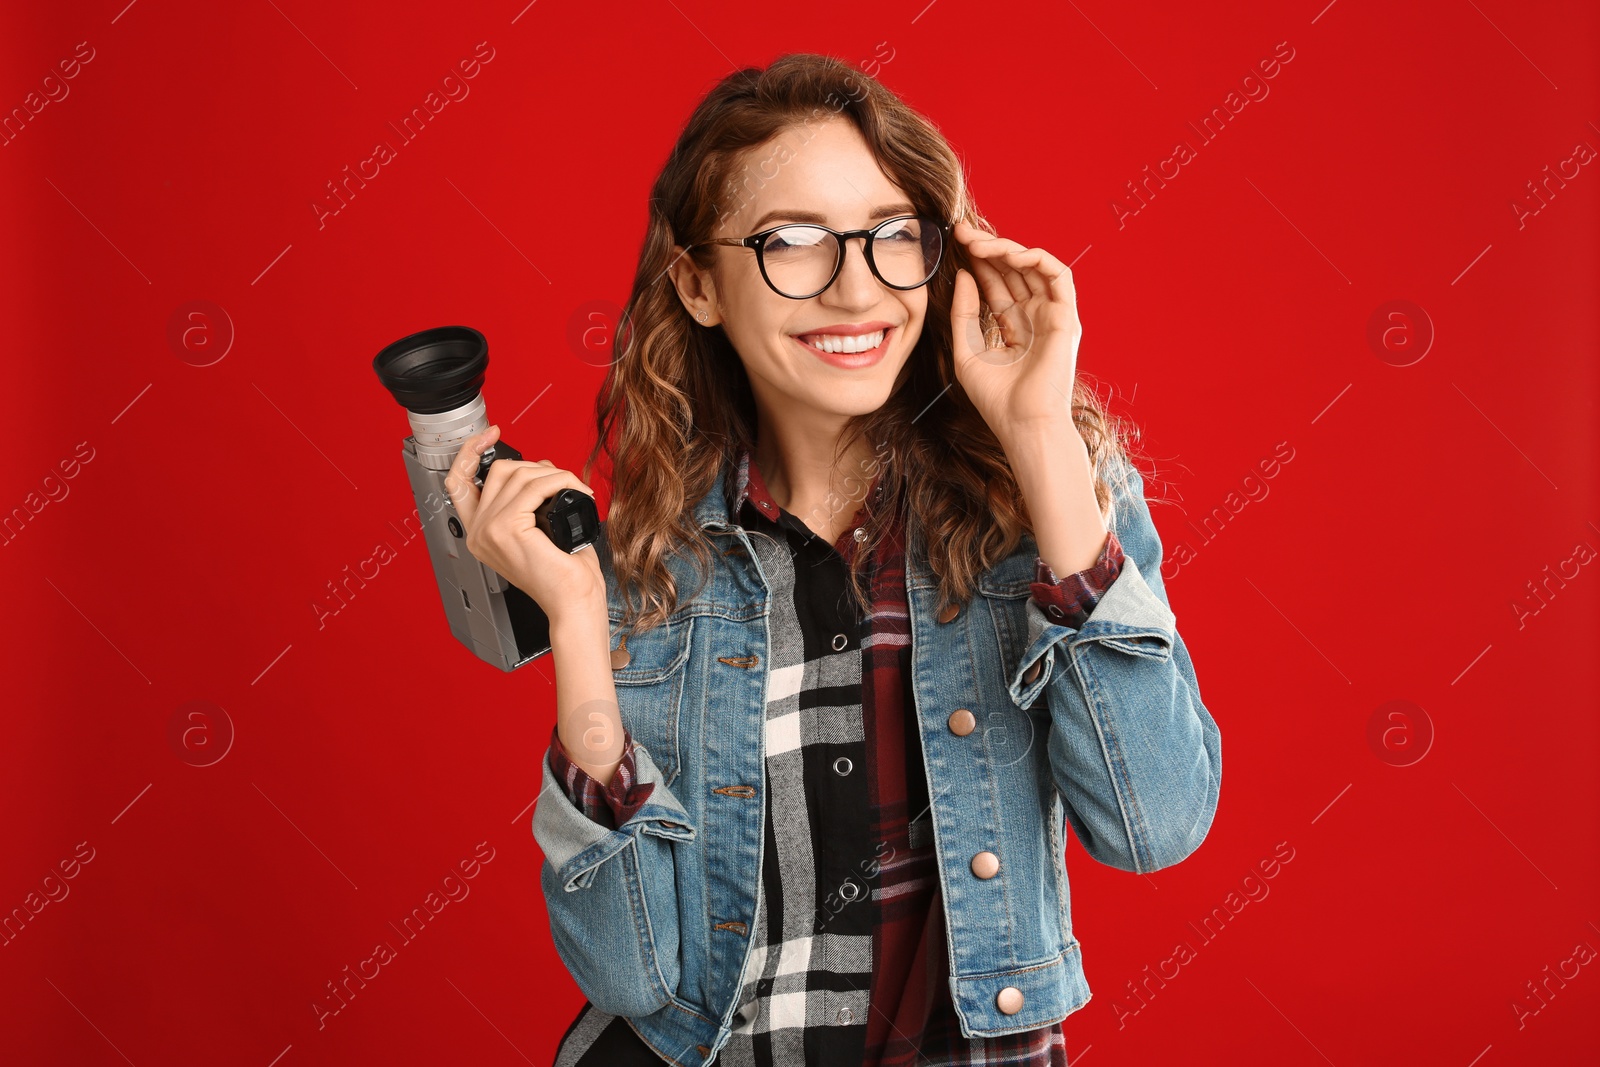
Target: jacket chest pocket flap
(649, 669)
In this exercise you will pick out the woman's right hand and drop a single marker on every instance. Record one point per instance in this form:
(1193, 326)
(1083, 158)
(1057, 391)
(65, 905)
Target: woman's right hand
(503, 533)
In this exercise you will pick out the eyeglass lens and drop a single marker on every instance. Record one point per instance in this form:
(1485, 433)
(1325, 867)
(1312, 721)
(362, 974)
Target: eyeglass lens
(800, 259)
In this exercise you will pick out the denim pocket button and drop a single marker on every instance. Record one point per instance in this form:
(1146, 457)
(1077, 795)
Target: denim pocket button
(1009, 1000)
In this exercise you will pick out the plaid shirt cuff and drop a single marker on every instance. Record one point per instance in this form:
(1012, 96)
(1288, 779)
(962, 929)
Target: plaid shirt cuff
(610, 805)
(1068, 601)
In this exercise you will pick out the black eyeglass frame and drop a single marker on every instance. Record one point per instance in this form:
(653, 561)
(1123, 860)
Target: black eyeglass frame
(758, 242)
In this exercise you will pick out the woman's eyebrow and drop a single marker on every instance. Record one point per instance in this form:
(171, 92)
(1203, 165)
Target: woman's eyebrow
(888, 211)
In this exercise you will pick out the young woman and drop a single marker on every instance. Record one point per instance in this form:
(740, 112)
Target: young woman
(876, 613)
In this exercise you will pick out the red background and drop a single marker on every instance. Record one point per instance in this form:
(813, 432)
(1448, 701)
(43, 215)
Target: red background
(1228, 315)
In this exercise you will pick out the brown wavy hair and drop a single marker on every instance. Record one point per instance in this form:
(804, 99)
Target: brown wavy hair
(676, 403)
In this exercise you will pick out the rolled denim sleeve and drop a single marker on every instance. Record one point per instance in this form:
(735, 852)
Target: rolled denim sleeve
(1069, 600)
(611, 804)
(1135, 753)
(611, 891)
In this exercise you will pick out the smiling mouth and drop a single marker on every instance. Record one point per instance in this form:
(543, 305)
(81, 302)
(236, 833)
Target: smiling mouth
(843, 344)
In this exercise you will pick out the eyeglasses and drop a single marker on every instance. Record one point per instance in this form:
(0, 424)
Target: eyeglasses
(800, 260)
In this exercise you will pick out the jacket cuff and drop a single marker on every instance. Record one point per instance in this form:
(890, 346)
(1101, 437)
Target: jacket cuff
(1068, 601)
(612, 804)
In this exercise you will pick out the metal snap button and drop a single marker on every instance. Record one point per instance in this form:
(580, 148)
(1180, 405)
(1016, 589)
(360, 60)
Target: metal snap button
(1032, 673)
(842, 765)
(839, 641)
(846, 1016)
(985, 865)
(962, 722)
(850, 890)
(1009, 1000)
(950, 612)
(1055, 612)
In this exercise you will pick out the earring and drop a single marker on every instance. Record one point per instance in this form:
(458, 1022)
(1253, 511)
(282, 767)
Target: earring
(701, 316)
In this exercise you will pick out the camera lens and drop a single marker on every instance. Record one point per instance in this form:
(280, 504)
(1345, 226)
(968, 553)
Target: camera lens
(435, 370)
(437, 376)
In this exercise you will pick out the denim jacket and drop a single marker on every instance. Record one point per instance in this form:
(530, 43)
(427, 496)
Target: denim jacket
(1099, 727)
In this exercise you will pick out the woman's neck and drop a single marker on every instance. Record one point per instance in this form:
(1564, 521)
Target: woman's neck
(802, 477)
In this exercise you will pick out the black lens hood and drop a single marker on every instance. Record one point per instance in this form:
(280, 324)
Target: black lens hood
(434, 370)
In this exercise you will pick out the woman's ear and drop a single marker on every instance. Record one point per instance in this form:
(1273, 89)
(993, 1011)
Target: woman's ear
(696, 288)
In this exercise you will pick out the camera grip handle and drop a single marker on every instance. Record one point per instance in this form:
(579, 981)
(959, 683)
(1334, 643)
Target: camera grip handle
(569, 518)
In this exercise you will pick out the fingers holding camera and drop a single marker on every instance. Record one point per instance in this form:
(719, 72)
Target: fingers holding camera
(460, 482)
(508, 538)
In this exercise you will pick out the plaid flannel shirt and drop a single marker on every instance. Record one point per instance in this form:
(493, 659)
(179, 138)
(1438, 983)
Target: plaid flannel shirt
(849, 831)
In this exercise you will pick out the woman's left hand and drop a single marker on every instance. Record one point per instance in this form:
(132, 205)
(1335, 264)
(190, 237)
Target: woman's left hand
(1028, 383)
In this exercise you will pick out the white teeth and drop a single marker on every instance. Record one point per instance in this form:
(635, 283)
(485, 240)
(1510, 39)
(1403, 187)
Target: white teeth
(832, 342)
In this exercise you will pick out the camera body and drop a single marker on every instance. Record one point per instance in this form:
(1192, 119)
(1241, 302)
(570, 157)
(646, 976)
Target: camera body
(437, 375)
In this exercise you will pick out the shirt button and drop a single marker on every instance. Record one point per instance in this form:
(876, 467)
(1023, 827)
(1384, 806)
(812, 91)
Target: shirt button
(839, 641)
(985, 865)
(1009, 1000)
(860, 534)
(842, 765)
(846, 1016)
